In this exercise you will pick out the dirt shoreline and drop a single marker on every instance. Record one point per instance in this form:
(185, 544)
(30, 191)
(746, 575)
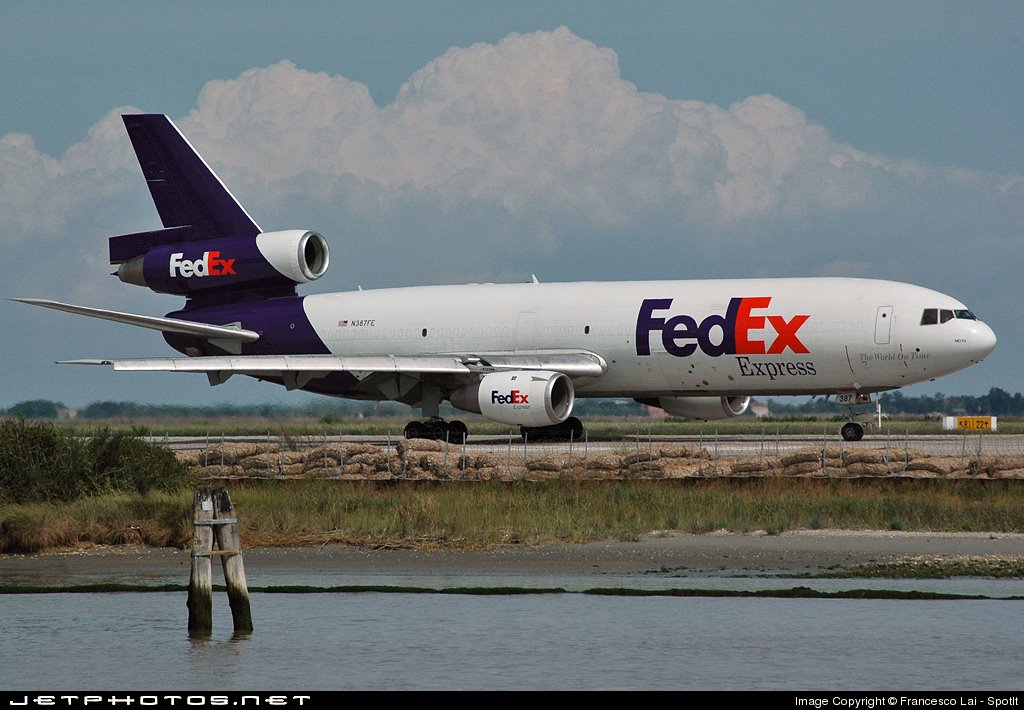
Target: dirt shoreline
(722, 553)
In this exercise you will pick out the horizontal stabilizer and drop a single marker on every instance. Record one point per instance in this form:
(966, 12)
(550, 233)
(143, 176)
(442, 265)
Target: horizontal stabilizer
(167, 325)
(126, 247)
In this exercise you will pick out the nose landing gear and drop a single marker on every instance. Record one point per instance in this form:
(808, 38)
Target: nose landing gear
(852, 431)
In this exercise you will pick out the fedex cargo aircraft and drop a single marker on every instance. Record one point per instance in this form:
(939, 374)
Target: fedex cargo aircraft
(516, 353)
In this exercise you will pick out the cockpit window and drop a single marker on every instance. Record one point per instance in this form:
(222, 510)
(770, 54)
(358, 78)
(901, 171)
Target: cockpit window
(933, 316)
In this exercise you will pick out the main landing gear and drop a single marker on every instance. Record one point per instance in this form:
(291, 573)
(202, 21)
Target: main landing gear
(453, 432)
(569, 430)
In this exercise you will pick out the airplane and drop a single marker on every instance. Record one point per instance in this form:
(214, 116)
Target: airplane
(515, 353)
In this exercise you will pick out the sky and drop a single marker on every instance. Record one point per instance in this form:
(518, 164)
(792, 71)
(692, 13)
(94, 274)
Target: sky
(450, 142)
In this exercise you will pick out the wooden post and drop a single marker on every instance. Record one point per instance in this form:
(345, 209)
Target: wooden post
(214, 521)
(200, 583)
(230, 544)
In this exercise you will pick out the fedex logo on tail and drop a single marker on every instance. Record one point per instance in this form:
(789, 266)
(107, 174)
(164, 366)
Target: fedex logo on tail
(209, 264)
(717, 335)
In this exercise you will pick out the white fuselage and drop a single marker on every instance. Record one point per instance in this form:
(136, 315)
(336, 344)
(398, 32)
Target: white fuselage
(665, 338)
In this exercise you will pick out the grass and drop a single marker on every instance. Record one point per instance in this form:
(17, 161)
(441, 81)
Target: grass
(158, 519)
(464, 516)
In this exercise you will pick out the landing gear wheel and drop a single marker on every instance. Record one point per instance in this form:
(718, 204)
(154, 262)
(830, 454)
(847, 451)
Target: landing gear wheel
(574, 428)
(852, 431)
(414, 430)
(436, 430)
(457, 432)
(569, 430)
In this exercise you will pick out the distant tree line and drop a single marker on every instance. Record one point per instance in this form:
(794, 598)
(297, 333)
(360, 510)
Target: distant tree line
(326, 408)
(997, 402)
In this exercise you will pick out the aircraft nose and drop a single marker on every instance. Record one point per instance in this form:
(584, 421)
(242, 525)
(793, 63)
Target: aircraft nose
(982, 341)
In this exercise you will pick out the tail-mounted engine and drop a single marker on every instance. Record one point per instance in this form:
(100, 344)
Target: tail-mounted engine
(268, 260)
(522, 397)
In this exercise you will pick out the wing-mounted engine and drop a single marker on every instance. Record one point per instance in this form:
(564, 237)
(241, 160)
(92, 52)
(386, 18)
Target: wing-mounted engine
(705, 408)
(530, 398)
(265, 261)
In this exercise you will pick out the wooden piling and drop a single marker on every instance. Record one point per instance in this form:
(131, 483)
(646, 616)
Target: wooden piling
(214, 522)
(230, 544)
(200, 583)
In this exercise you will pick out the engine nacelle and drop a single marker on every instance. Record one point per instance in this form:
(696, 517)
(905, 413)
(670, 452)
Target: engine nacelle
(520, 397)
(268, 260)
(705, 408)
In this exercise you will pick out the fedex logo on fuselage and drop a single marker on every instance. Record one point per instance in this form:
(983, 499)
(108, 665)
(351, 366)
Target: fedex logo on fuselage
(209, 264)
(513, 397)
(717, 335)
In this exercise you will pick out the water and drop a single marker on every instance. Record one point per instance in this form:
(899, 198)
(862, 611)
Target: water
(423, 641)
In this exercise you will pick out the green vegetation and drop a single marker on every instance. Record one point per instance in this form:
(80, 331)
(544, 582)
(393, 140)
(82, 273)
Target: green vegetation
(156, 518)
(60, 489)
(928, 568)
(35, 409)
(43, 462)
(461, 515)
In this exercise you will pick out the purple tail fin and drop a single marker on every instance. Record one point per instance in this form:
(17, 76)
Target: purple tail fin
(192, 202)
(210, 250)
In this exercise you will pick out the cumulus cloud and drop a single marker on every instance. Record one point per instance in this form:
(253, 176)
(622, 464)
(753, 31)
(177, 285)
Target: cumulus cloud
(41, 195)
(538, 122)
(540, 127)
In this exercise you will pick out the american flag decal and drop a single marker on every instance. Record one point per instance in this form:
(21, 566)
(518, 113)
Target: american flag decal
(342, 323)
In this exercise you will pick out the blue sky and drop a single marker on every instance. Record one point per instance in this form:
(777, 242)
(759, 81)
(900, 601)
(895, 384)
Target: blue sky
(868, 139)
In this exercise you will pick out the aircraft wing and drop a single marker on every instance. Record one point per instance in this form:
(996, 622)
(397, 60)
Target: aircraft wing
(298, 370)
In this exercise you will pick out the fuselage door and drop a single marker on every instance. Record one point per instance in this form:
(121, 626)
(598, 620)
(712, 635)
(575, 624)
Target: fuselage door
(883, 325)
